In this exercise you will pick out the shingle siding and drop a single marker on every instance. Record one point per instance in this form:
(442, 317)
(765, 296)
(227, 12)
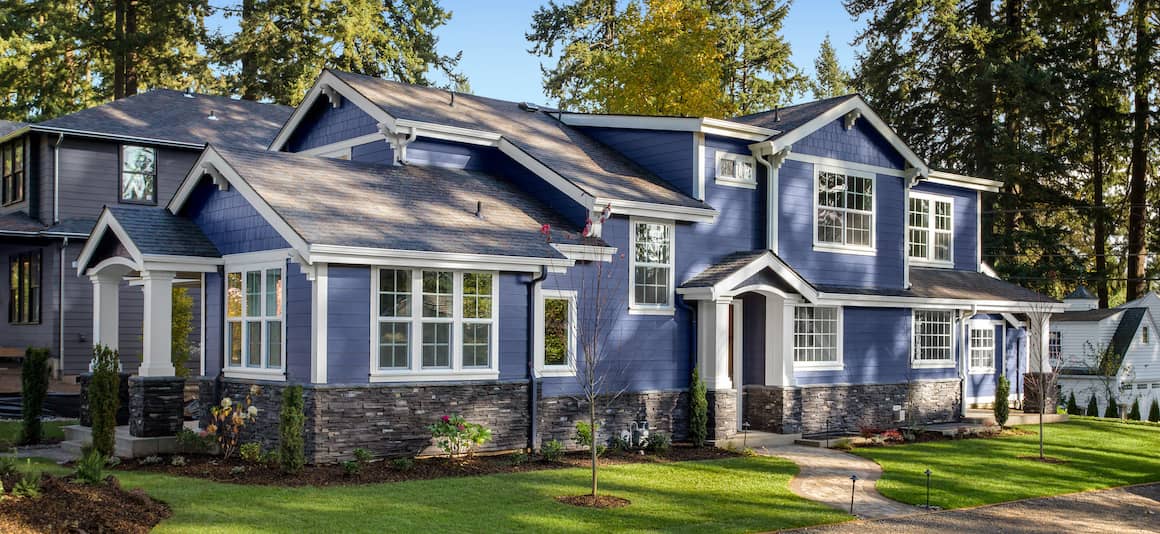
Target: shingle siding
(860, 144)
(325, 124)
(669, 155)
(230, 222)
(348, 328)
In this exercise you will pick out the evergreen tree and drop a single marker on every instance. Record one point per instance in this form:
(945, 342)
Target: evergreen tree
(1072, 407)
(1134, 413)
(1093, 408)
(756, 71)
(829, 78)
(1113, 411)
(698, 410)
(1143, 51)
(1154, 412)
(1001, 409)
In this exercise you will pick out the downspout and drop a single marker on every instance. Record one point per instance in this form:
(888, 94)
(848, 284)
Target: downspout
(60, 309)
(533, 389)
(760, 155)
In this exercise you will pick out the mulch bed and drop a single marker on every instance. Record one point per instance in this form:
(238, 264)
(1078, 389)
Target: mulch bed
(599, 501)
(220, 470)
(65, 506)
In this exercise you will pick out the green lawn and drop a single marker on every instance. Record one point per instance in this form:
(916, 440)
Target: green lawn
(1098, 454)
(10, 432)
(734, 495)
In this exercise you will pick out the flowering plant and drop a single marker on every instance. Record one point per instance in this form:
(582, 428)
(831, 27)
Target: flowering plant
(228, 419)
(456, 437)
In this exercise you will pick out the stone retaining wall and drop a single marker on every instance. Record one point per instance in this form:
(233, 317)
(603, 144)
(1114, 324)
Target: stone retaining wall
(849, 408)
(667, 411)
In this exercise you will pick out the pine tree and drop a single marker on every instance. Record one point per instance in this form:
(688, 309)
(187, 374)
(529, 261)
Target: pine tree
(1072, 407)
(1154, 412)
(1134, 413)
(829, 78)
(1144, 47)
(1093, 408)
(756, 70)
(1113, 411)
(1001, 409)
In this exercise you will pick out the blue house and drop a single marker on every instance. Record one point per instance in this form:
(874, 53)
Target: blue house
(404, 252)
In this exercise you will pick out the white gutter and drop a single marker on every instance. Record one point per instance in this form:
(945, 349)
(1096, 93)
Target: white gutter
(103, 135)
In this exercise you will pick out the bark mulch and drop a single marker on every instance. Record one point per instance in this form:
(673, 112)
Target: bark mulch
(66, 506)
(599, 501)
(236, 471)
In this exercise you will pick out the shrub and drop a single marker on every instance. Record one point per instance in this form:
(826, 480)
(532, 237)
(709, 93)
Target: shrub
(192, 442)
(7, 465)
(363, 456)
(251, 452)
(291, 425)
(698, 411)
(1002, 391)
(104, 398)
(150, 460)
(28, 486)
(1072, 406)
(1154, 412)
(112, 461)
(658, 443)
(177, 461)
(1093, 408)
(238, 470)
(891, 436)
(844, 444)
(90, 468)
(402, 464)
(229, 418)
(272, 458)
(552, 451)
(1113, 411)
(585, 437)
(351, 467)
(519, 458)
(456, 437)
(622, 442)
(1134, 413)
(181, 326)
(33, 390)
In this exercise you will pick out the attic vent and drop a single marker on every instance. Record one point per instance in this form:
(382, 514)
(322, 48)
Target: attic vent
(188, 93)
(530, 107)
(212, 116)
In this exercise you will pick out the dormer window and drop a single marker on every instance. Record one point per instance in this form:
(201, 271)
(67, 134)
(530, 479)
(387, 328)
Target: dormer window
(138, 174)
(931, 229)
(13, 172)
(735, 169)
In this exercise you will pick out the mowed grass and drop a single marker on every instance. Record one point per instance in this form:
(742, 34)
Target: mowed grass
(1097, 454)
(10, 432)
(732, 495)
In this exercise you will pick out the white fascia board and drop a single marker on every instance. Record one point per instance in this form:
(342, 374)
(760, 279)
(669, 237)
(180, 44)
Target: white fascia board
(345, 143)
(983, 306)
(964, 181)
(659, 211)
(326, 79)
(336, 254)
(105, 223)
(114, 137)
(727, 287)
(162, 264)
(585, 252)
(705, 125)
(449, 133)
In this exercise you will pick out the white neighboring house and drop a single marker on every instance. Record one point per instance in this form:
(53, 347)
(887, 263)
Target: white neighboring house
(1081, 334)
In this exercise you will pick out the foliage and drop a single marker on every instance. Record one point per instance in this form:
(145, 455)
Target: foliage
(658, 443)
(152, 459)
(291, 426)
(351, 467)
(90, 468)
(181, 348)
(251, 452)
(1154, 412)
(1072, 406)
(698, 410)
(456, 437)
(238, 470)
(229, 418)
(104, 398)
(1093, 407)
(519, 458)
(402, 464)
(1002, 392)
(584, 436)
(7, 465)
(362, 455)
(28, 486)
(1113, 410)
(34, 377)
(272, 458)
(843, 444)
(622, 443)
(192, 441)
(1134, 412)
(829, 78)
(552, 450)
(177, 461)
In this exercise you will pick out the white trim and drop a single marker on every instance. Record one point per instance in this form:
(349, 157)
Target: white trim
(275, 375)
(344, 144)
(702, 125)
(843, 248)
(201, 337)
(837, 365)
(992, 306)
(832, 162)
(585, 252)
(261, 256)
(983, 325)
(915, 363)
(727, 286)
(110, 136)
(651, 309)
(319, 296)
(733, 181)
(327, 81)
(659, 211)
(553, 178)
(432, 260)
(107, 222)
(115, 260)
(699, 166)
(242, 268)
(432, 376)
(979, 230)
(568, 369)
(444, 132)
(929, 260)
(964, 181)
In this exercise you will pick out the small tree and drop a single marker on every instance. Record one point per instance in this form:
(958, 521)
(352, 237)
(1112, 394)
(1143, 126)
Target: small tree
(33, 389)
(1045, 367)
(1093, 407)
(1113, 411)
(1154, 412)
(1002, 391)
(1134, 413)
(291, 426)
(181, 328)
(1072, 407)
(104, 399)
(698, 410)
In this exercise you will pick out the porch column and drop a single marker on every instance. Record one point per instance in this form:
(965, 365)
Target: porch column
(713, 336)
(158, 286)
(106, 288)
(1040, 328)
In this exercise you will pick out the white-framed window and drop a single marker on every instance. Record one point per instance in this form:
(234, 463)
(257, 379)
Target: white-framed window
(651, 270)
(138, 174)
(933, 338)
(736, 169)
(432, 324)
(982, 348)
(817, 337)
(1055, 345)
(930, 228)
(844, 210)
(255, 318)
(557, 338)
(1145, 335)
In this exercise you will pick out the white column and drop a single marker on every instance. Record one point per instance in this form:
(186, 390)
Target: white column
(318, 325)
(1041, 337)
(157, 333)
(713, 340)
(778, 342)
(106, 291)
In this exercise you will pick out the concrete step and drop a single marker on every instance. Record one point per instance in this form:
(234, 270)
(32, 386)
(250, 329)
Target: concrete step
(72, 448)
(756, 440)
(985, 417)
(125, 445)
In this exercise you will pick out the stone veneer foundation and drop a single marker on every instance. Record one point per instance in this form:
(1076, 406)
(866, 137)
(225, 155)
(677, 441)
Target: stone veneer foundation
(848, 408)
(722, 413)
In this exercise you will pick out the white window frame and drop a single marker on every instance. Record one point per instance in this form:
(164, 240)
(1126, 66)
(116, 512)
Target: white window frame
(843, 248)
(262, 372)
(569, 368)
(931, 231)
(836, 365)
(987, 327)
(415, 372)
(734, 181)
(1055, 345)
(651, 309)
(1145, 335)
(915, 362)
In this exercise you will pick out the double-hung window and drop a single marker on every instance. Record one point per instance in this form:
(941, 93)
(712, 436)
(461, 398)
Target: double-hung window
(735, 169)
(845, 210)
(432, 323)
(930, 228)
(12, 185)
(1054, 345)
(982, 348)
(557, 350)
(652, 266)
(817, 337)
(24, 288)
(138, 174)
(933, 338)
(255, 309)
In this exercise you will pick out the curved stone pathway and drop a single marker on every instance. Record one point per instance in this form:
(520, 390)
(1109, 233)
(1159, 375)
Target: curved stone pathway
(825, 478)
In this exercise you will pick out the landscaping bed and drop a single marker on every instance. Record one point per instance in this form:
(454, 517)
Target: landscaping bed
(237, 471)
(66, 506)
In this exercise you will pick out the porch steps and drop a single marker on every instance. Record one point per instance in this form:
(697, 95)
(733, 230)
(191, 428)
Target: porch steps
(987, 417)
(125, 446)
(755, 440)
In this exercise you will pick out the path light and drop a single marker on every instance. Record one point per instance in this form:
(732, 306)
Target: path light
(744, 434)
(928, 489)
(853, 484)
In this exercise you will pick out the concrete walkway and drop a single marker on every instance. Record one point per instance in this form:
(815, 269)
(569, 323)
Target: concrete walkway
(825, 478)
(50, 452)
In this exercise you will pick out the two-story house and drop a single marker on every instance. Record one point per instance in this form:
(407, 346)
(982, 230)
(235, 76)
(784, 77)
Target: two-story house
(404, 252)
(58, 175)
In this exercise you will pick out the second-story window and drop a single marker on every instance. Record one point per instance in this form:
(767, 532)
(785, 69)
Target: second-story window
(24, 288)
(845, 209)
(138, 174)
(735, 169)
(13, 172)
(930, 228)
(652, 265)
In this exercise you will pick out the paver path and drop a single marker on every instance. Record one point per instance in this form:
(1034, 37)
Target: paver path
(1128, 510)
(825, 477)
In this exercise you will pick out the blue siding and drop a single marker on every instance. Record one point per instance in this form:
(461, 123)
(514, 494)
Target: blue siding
(348, 328)
(796, 233)
(533, 185)
(965, 220)
(231, 223)
(298, 315)
(669, 155)
(324, 125)
(860, 144)
(513, 326)
(214, 337)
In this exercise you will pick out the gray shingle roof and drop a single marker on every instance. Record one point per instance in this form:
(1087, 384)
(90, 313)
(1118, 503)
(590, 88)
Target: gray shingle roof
(19, 223)
(7, 127)
(587, 163)
(169, 115)
(335, 202)
(951, 284)
(1098, 314)
(791, 117)
(156, 231)
(1080, 293)
(1126, 331)
(721, 270)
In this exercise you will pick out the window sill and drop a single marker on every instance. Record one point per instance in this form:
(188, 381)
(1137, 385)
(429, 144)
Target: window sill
(278, 375)
(981, 371)
(826, 367)
(730, 182)
(138, 202)
(932, 263)
(442, 375)
(25, 324)
(555, 372)
(938, 364)
(839, 249)
(647, 310)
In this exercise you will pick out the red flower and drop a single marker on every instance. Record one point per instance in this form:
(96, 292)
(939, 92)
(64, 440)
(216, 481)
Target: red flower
(446, 419)
(461, 427)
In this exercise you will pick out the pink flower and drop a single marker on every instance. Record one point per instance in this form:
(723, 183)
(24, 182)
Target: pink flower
(461, 427)
(446, 419)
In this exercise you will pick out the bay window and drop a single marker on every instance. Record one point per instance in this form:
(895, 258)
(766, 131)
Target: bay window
(930, 228)
(255, 309)
(933, 338)
(652, 266)
(845, 209)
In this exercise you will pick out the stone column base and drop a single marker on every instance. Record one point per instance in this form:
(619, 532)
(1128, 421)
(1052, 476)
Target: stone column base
(86, 418)
(722, 413)
(156, 405)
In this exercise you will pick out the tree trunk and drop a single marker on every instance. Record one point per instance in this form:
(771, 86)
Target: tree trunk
(1138, 180)
(249, 73)
(130, 55)
(983, 137)
(1098, 112)
(119, 49)
(592, 447)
